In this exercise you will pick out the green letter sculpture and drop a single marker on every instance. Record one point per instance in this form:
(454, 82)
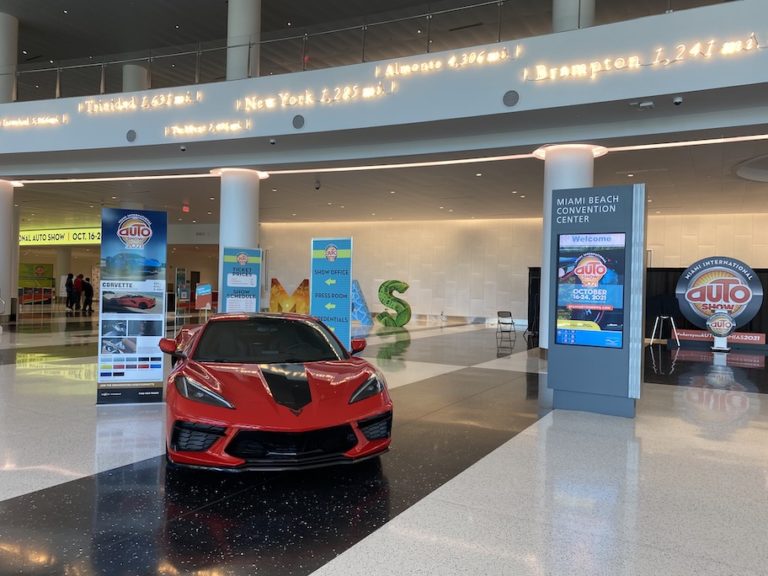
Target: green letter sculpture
(401, 308)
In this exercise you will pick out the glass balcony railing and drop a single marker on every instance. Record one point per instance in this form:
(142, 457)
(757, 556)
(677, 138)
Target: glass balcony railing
(437, 30)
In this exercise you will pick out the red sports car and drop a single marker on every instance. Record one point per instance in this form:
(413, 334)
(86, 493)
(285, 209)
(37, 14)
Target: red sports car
(272, 392)
(136, 301)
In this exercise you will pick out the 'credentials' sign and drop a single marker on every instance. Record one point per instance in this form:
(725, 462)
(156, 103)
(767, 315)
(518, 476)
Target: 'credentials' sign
(720, 294)
(330, 285)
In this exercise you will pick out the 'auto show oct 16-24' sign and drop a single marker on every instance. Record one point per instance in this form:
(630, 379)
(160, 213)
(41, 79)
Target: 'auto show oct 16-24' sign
(719, 294)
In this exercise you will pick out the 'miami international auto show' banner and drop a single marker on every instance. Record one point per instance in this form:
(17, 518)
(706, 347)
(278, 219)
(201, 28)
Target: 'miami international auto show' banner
(240, 273)
(330, 285)
(132, 321)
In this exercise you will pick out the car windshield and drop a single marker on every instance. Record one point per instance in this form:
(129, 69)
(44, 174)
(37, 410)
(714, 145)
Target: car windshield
(267, 341)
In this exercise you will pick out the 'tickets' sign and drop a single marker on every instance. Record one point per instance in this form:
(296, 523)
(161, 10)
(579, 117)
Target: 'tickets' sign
(716, 287)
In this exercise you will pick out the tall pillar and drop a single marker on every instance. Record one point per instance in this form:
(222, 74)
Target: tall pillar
(9, 56)
(565, 166)
(572, 14)
(63, 263)
(243, 37)
(15, 253)
(136, 77)
(239, 211)
(8, 244)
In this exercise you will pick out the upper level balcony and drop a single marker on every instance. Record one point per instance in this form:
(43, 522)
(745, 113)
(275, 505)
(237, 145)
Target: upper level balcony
(395, 34)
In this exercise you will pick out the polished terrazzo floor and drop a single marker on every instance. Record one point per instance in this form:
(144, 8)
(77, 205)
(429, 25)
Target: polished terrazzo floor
(482, 479)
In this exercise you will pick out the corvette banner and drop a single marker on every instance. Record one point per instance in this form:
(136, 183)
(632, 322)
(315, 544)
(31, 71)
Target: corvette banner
(132, 306)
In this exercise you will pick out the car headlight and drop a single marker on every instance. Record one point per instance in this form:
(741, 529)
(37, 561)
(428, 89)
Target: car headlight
(372, 386)
(199, 393)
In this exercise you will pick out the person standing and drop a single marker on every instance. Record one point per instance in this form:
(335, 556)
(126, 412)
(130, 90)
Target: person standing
(87, 296)
(69, 286)
(78, 285)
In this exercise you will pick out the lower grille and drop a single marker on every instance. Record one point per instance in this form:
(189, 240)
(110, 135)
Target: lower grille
(377, 428)
(191, 437)
(292, 447)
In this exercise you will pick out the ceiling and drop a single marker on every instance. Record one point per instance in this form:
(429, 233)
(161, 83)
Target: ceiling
(680, 181)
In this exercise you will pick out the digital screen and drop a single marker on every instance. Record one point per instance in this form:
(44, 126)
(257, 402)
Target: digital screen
(590, 290)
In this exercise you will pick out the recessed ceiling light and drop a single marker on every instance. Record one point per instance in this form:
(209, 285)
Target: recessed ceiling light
(514, 191)
(478, 174)
(180, 219)
(212, 198)
(649, 200)
(51, 61)
(418, 31)
(330, 203)
(630, 175)
(274, 189)
(522, 195)
(114, 197)
(373, 213)
(90, 206)
(66, 11)
(442, 207)
(294, 214)
(450, 210)
(177, 26)
(209, 213)
(392, 192)
(342, 206)
(37, 85)
(24, 52)
(194, 222)
(289, 23)
(18, 205)
(658, 211)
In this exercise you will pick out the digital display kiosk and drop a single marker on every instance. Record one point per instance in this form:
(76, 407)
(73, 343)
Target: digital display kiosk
(590, 290)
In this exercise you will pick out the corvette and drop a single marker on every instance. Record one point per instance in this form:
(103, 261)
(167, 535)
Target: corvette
(136, 301)
(271, 392)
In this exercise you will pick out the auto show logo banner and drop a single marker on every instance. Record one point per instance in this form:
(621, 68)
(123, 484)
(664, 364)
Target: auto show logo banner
(240, 286)
(132, 311)
(330, 285)
(719, 294)
(596, 293)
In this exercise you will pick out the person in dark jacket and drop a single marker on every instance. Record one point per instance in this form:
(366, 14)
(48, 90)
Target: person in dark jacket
(69, 285)
(87, 296)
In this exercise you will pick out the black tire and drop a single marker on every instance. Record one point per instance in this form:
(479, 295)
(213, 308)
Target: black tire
(142, 305)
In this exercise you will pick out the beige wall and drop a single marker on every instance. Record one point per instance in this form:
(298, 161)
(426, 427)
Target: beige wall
(678, 241)
(462, 268)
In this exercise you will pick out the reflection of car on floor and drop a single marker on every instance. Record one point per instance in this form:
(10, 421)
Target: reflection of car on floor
(127, 263)
(272, 392)
(135, 301)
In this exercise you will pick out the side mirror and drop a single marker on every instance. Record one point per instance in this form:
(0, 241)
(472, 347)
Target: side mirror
(169, 346)
(358, 345)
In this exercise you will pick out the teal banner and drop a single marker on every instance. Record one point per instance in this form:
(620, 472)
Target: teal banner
(240, 284)
(330, 285)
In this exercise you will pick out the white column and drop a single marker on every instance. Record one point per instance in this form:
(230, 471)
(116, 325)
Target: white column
(63, 263)
(239, 212)
(243, 35)
(136, 77)
(8, 245)
(565, 166)
(572, 14)
(9, 56)
(15, 253)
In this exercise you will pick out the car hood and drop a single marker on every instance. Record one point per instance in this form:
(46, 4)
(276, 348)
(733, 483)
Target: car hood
(289, 395)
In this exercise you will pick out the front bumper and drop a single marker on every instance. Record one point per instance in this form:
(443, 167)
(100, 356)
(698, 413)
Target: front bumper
(203, 445)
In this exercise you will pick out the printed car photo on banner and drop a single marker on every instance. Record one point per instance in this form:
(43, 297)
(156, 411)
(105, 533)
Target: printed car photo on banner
(133, 263)
(240, 274)
(590, 291)
(330, 285)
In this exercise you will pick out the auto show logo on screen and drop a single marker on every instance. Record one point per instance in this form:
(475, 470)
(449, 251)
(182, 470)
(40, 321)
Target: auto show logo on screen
(134, 230)
(590, 269)
(719, 285)
(721, 324)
